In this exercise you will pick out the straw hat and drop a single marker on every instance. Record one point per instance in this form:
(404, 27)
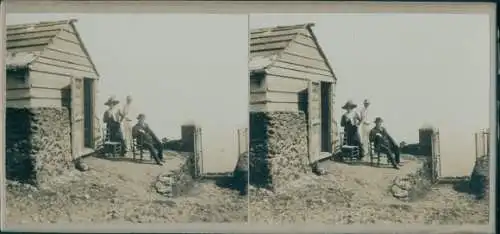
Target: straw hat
(349, 105)
(111, 101)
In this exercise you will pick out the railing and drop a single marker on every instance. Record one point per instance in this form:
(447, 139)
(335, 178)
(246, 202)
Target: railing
(482, 140)
(243, 141)
(199, 170)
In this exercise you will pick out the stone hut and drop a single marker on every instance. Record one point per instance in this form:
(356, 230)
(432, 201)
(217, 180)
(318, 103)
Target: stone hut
(292, 90)
(50, 100)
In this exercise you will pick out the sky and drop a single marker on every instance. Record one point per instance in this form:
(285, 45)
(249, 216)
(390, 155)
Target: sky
(415, 69)
(179, 68)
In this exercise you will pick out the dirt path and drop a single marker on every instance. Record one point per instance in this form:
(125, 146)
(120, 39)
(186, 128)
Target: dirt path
(121, 191)
(360, 194)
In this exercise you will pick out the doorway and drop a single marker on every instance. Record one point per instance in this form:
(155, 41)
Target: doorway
(326, 117)
(88, 112)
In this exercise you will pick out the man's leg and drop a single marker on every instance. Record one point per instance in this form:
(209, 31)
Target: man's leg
(152, 152)
(159, 149)
(385, 150)
(395, 150)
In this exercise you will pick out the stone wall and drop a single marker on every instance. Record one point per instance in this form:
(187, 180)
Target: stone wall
(480, 178)
(278, 148)
(188, 133)
(178, 182)
(425, 140)
(413, 186)
(38, 143)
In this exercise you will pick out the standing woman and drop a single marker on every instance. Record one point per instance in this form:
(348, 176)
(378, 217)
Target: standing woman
(126, 121)
(364, 128)
(350, 122)
(112, 118)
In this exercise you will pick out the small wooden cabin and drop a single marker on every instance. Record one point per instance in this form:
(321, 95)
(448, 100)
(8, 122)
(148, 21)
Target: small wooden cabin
(290, 73)
(48, 68)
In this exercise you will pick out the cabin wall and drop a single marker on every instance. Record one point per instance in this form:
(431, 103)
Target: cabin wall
(279, 151)
(38, 145)
(258, 90)
(17, 89)
(278, 148)
(289, 75)
(51, 73)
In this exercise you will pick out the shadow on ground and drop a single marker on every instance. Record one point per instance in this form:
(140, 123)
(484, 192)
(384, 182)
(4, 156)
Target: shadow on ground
(125, 159)
(233, 183)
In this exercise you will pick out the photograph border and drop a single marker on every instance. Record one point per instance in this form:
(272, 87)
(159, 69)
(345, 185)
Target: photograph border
(263, 7)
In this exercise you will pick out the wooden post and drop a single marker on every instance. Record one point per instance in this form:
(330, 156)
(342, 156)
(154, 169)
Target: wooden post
(476, 140)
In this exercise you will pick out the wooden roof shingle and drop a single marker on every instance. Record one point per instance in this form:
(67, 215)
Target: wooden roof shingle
(267, 43)
(25, 42)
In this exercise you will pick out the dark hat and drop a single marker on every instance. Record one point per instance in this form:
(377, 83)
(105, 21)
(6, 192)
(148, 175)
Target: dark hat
(349, 105)
(366, 101)
(378, 120)
(141, 116)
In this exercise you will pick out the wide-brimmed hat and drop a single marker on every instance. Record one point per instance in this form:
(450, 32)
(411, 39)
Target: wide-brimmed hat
(111, 101)
(349, 105)
(378, 120)
(141, 116)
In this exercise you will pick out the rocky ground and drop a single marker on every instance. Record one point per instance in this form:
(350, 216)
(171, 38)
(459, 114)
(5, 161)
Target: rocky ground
(121, 191)
(361, 194)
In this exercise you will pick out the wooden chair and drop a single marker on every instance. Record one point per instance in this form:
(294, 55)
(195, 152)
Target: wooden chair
(137, 148)
(350, 152)
(111, 148)
(374, 154)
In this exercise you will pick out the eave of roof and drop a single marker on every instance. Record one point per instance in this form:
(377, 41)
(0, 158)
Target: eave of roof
(41, 35)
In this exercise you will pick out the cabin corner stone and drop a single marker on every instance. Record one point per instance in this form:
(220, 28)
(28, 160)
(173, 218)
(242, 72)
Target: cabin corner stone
(38, 143)
(278, 148)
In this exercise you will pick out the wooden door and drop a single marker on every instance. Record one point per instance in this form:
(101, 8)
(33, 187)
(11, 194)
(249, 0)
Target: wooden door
(314, 121)
(77, 117)
(198, 153)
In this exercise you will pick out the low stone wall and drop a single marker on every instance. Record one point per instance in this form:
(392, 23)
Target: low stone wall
(175, 145)
(413, 186)
(178, 182)
(278, 148)
(38, 143)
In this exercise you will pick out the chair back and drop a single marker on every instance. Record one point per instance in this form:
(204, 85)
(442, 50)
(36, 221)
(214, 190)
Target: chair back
(371, 147)
(106, 134)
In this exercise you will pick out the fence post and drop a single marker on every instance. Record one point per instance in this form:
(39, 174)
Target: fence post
(476, 140)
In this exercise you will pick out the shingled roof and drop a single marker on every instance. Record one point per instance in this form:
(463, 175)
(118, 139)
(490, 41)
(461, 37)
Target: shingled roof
(267, 43)
(25, 42)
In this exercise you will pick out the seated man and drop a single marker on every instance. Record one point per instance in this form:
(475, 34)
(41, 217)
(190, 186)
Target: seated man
(147, 139)
(384, 143)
